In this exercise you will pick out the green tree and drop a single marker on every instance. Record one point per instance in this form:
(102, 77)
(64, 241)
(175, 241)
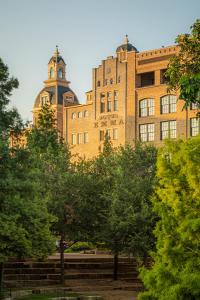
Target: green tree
(130, 219)
(184, 69)
(24, 219)
(124, 180)
(44, 134)
(9, 118)
(52, 159)
(175, 272)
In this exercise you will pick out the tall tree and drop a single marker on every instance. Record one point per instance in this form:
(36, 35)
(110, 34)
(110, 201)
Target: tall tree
(24, 219)
(124, 178)
(130, 222)
(175, 272)
(184, 69)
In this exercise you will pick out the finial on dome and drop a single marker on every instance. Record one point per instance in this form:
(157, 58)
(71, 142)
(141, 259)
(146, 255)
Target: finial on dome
(126, 39)
(56, 53)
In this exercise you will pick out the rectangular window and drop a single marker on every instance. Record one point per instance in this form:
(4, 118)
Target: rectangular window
(194, 106)
(101, 135)
(145, 79)
(168, 104)
(168, 130)
(163, 79)
(146, 107)
(109, 106)
(115, 105)
(108, 133)
(86, 137)
(116, 94)
(102, 107)
(194, 126)
(147, 132)
(115, 133)
(79, 138)
(109, 94)
(73, 138)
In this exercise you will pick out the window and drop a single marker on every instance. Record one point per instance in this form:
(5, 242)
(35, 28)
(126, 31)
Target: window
(116, 94)
(73, 115)
(168, 104)
(168, 130)
(98, 83)
(109, 94)
(145, 79)
(73, 138)
(115, 133)
(163, 79)
(119, 79)
(111, 81)
(44, 100)
(146, 107)
(102, 107)
(194, 106)
(101, 135)
(80, 114)
(86, 114)
(194, 126)
(51, 72)
(115, 105)
(86, 137)
(115, 100)
(147, 132)
(60, 73)
(106, 81)
(108, 131)
(109, 106)
(79, 138)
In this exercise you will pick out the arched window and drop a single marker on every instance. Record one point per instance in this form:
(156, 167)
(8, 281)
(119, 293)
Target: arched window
(73, 115)
(168, 104)
(147, 107)
(60, 73)
(80, 114)
(52, 72)
(86, 113)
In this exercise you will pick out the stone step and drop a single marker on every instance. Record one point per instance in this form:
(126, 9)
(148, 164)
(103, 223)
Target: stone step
(30, 283)
(101, 285)
(97, 276)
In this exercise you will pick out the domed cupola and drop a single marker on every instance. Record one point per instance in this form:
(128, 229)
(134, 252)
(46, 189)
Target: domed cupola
(56, 57)
(124, 48)
(56, 67)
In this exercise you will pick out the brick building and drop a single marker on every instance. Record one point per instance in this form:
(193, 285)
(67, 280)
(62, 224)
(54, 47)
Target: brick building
(128, 101)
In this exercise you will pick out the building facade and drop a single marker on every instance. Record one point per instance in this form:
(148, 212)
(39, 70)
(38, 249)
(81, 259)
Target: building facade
(129, 101)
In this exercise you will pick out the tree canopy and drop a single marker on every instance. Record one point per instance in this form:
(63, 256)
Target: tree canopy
(24, 219)
(183, 72)
(175, 271)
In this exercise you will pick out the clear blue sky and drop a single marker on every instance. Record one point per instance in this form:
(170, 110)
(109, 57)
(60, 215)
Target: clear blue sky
(86, 31)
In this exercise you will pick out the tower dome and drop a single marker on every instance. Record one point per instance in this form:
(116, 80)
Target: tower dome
(56, 57)
(126, 46)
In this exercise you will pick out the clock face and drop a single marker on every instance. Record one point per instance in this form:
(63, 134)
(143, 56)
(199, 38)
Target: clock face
(60, 73)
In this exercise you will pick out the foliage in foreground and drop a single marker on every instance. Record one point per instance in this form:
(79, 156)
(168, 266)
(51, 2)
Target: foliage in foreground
(130, 221)
(184, 69)
(175, 273)
(24, 218)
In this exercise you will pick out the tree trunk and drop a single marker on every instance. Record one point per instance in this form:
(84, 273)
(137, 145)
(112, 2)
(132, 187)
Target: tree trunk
(145, 260)
(1, 277)
(115, 271)
(62, 260)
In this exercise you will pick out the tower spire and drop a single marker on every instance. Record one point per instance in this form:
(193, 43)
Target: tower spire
(56, 52)
(126, 39)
